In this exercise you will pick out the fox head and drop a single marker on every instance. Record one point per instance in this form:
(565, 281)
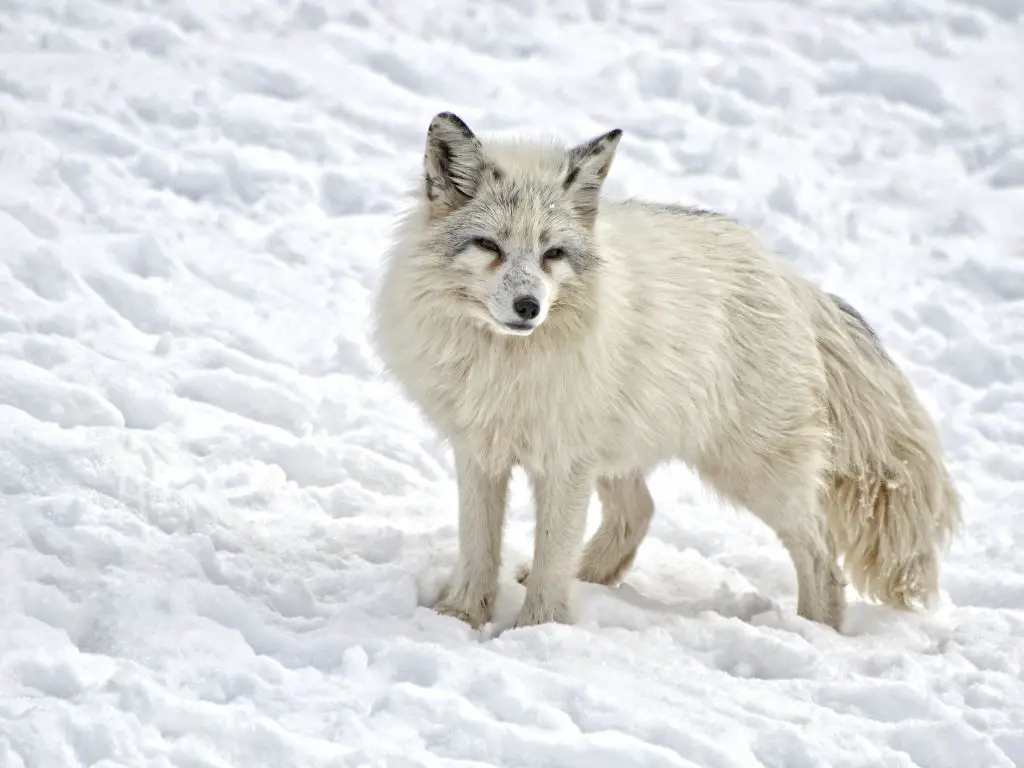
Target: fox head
(511, 223)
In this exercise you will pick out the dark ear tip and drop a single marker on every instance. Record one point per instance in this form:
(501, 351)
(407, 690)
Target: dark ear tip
(614, 134)
(452, 120)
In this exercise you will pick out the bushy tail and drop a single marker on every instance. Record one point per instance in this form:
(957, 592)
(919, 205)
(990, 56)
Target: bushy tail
(890, 500)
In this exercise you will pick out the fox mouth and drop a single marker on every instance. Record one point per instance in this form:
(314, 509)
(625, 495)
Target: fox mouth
(518, 329)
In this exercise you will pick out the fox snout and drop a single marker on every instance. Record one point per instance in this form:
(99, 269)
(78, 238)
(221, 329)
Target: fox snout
(519, 302)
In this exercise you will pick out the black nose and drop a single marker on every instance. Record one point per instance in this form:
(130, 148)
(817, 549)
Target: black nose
(526, 307)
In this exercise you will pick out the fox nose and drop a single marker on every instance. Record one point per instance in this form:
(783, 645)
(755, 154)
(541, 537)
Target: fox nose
(526, 307)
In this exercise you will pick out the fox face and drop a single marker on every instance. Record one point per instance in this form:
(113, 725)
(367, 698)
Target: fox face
(513, 222)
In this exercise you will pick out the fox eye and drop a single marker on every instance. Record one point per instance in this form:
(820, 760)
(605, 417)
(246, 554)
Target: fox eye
(552, 254)
(485, 244)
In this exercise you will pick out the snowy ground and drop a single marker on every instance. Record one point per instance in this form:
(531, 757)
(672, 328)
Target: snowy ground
(219, 528)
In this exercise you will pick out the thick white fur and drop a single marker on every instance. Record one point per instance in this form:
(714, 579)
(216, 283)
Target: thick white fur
(685, 340)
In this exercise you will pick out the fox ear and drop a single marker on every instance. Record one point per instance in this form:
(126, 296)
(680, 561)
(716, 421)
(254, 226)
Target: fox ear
(453, 162)
(588, 167)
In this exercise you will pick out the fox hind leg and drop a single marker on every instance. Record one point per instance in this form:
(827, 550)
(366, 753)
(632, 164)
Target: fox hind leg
(626, 509)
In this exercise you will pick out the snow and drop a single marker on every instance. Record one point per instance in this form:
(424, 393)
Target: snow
(221, 529)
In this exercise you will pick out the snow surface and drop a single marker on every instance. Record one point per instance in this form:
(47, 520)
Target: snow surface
(220, 528)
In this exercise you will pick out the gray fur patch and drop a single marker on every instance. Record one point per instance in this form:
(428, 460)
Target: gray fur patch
(582, 260)
(684, 210)
(690, 210)
(570, 177)
(858, 319)
(853, 313)
(443, 158)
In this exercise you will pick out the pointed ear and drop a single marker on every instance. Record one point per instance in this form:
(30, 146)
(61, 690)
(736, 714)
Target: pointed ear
(588, 167)
(453, 162)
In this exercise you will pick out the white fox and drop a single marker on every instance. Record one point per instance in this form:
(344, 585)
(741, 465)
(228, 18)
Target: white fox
(588, 341)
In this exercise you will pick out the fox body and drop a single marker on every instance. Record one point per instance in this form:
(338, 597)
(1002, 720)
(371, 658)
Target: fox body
(537, 324)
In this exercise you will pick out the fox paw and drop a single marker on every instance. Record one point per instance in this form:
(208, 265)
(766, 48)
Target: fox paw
(473, 609)
(536, 612)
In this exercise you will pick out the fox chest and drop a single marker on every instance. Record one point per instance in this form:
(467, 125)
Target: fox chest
(508, 412)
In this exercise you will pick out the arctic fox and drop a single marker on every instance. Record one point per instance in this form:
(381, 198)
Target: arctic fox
(587, 341)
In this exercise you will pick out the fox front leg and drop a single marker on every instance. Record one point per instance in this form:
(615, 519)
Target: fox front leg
(470, 593)
(561, 502)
